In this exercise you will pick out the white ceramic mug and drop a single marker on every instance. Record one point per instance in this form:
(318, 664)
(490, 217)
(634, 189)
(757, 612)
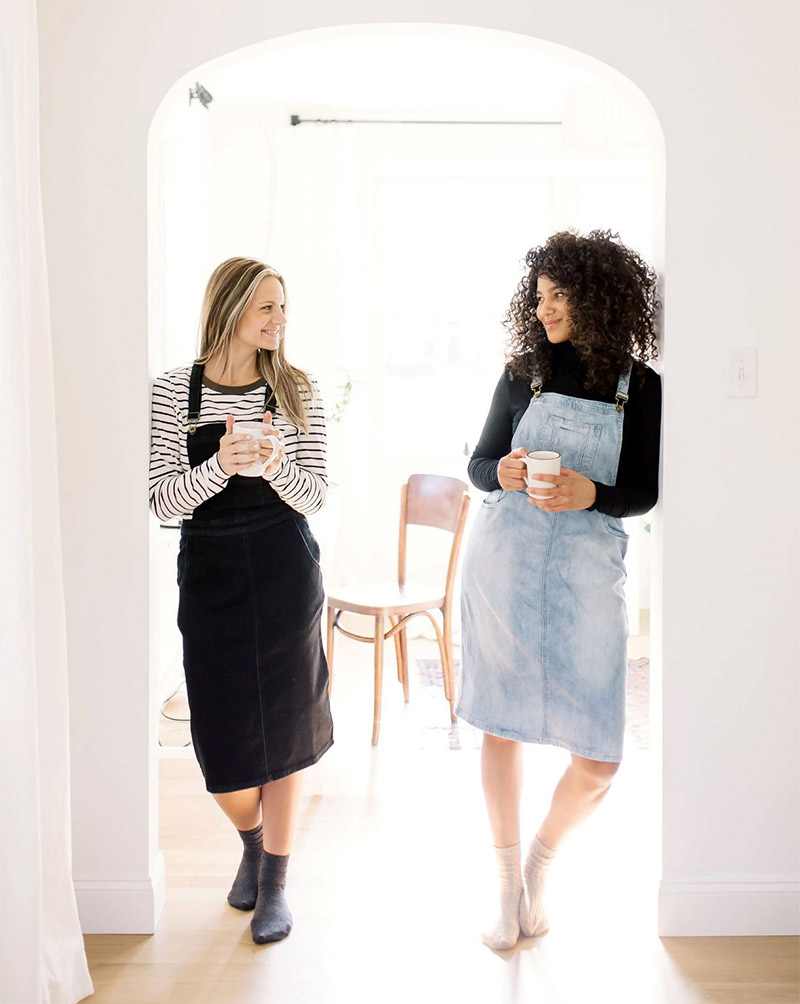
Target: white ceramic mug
(261, 432)
(541, 462)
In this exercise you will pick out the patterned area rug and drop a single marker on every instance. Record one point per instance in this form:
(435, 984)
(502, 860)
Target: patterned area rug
(637, 705)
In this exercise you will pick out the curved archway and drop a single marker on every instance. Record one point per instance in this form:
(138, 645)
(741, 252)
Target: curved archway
(592, 98)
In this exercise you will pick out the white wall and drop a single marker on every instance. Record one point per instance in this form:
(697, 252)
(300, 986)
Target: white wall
(722, 79)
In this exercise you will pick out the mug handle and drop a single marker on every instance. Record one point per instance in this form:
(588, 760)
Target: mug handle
(276, 446)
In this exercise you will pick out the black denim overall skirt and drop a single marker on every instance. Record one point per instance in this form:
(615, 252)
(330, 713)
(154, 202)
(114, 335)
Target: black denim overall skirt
(250, 604)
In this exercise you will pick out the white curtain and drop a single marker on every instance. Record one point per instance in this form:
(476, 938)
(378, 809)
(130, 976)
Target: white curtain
(41, 948)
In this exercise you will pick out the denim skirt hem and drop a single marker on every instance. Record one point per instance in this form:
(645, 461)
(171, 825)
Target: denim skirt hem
(537, 740)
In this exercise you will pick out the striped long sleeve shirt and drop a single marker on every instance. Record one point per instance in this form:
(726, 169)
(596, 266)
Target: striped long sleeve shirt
(176, 489)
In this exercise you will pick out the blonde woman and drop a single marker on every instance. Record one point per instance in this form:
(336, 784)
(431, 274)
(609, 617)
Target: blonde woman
(248, 574)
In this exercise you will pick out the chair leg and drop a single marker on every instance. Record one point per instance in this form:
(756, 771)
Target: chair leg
(379, 640)
(448, 665)
(401, 657)
(329, 646)
(397, 652)
(403, 637)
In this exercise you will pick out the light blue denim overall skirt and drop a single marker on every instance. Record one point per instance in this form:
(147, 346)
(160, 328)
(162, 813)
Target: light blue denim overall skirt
(544, 622)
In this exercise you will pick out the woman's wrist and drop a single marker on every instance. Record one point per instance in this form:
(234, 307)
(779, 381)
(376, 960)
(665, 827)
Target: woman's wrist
(215, 466)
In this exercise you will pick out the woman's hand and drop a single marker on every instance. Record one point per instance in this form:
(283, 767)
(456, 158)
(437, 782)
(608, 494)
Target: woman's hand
(265, 448)
(511, 470)
(570, 491)
(237, 452)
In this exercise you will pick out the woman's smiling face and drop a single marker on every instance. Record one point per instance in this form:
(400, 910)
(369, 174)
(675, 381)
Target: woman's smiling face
(552, 309)
(261, 324)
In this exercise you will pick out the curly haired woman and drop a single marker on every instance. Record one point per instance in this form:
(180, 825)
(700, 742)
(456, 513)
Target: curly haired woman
(544, 623)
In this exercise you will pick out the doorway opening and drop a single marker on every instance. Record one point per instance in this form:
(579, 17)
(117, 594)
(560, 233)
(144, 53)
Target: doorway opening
(399, 210)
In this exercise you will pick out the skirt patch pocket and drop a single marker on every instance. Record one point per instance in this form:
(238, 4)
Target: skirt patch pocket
(309, 540)
(615, 527)
(495, 497)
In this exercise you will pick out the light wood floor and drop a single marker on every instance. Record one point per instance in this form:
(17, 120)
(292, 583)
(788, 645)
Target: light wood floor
(392, 877)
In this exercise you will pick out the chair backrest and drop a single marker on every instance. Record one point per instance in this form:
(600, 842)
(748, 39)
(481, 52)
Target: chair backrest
(437, 501)
(434, 500)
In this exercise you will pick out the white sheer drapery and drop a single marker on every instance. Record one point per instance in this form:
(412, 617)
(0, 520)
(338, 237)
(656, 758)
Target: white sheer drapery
(41, 948)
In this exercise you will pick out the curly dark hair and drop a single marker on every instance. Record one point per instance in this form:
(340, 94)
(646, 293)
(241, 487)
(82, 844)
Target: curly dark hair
(613, 307)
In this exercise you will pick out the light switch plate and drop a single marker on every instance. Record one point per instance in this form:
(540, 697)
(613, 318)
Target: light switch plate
(742, 372)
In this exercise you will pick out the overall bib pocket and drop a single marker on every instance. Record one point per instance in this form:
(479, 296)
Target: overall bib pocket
(576, 441)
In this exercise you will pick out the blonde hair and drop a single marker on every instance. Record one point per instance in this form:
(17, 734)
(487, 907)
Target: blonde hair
(229, 293)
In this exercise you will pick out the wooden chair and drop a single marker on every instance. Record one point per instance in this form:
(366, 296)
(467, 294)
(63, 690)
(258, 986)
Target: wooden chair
(426, 500)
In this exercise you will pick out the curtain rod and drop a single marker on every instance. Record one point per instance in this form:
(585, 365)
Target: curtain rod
(296, 120)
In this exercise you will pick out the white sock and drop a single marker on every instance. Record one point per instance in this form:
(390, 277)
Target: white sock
(505, 931)
(532, 919)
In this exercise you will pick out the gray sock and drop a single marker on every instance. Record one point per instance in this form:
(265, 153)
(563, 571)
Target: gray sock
(244, 890)
(532, 919)
(272, 920)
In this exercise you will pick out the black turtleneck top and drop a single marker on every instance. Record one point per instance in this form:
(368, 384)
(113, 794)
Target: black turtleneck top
(636, 490)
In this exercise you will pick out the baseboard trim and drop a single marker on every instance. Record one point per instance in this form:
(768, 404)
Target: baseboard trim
(121, 906)
(698, 909)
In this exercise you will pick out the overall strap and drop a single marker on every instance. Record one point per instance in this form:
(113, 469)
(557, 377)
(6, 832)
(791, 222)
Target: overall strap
(621, 397)
(195, 390)
(269, 395)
